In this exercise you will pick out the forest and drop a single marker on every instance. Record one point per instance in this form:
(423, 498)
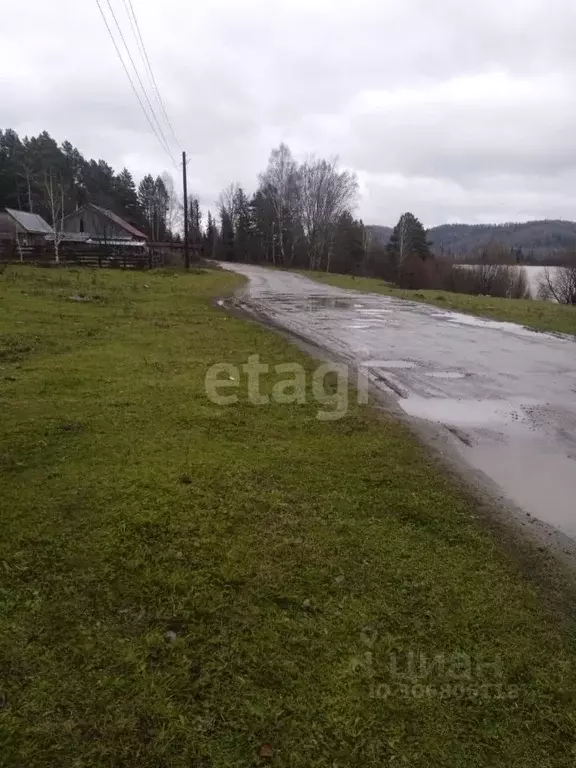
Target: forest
(301, 215)
(41, 176)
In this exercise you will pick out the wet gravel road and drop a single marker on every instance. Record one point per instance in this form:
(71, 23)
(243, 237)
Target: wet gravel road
(506, 394)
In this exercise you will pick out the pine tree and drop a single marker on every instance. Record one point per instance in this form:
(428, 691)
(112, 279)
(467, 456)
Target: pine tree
(211, 237)
(194, 221)
(264, 245)
(98, 179)
(349, 249)
(73, 165)
(408, 240)
(244, 229)
(226, 243)
(13, 178)
(161, 206)
(126, 198)
(147, 200)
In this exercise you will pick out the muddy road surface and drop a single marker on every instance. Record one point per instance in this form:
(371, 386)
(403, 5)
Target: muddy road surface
(506, 394)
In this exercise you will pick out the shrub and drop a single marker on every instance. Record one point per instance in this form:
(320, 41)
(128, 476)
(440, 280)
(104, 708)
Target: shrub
(559, 285)
(480, 279)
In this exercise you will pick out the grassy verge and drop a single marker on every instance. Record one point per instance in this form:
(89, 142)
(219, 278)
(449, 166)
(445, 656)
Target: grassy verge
(540, 315)
(183, 584)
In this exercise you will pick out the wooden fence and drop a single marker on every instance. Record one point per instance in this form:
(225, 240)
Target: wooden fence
(150, 256)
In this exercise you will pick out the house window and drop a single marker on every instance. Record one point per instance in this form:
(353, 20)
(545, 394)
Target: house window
(81, 225)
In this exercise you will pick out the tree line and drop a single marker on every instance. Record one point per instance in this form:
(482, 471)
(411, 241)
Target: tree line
(301, 214)
(40, 176)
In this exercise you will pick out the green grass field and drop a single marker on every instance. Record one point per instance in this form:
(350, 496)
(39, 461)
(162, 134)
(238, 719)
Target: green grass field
(540, 315)
(190, 585)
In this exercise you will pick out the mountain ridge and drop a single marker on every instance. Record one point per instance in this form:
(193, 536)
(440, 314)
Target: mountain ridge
(538, 239)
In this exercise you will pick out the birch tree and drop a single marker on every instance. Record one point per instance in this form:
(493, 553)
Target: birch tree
(174, 205)
(325, 195)
(54, 191)
(279, 184)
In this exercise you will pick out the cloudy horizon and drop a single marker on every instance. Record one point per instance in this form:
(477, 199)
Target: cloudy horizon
(456, 113)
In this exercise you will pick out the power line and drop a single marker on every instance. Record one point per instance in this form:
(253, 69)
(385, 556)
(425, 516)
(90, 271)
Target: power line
(129, 76)
(152, 110)
(156, 130)
(145, 58)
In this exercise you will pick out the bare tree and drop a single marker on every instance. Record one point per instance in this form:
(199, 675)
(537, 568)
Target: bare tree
(54, 191)
(279, 183)
(294, 215)
(227, 201)
(325, 194)
(559, 285)
(175, 206)
(505, 280)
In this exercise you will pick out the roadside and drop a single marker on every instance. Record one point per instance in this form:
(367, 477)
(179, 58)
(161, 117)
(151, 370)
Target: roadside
(183, 583)
(539, 315)
(504, 394)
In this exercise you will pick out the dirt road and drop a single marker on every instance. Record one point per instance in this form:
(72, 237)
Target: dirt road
(506, 394)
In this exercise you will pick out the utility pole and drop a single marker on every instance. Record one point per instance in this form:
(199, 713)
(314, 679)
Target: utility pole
(185, 185)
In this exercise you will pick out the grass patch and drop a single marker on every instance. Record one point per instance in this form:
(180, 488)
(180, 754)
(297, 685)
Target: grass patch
(540, 315)
(188, 585)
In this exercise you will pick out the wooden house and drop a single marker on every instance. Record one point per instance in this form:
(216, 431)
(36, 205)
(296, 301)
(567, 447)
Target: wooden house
(25, 228)
(93, 224)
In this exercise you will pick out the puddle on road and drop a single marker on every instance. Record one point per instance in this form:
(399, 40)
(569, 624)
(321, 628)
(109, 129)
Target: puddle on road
(408, 365)
(445, 374)
(462, 413)
(528, 469)
(542, 483)
(392, 364)
(456, 318)
(316, 303)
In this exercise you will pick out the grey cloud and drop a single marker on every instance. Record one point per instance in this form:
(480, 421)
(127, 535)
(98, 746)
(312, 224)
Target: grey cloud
(462, 141)
(238, 76)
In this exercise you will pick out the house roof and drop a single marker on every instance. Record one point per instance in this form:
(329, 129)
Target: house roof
(31, 222)
(118, 220)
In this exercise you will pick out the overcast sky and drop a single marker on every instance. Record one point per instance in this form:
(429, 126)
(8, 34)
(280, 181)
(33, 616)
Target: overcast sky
(455, 111)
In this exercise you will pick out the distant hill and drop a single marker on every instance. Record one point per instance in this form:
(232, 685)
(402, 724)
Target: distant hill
(537, 239)
(382, 234)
